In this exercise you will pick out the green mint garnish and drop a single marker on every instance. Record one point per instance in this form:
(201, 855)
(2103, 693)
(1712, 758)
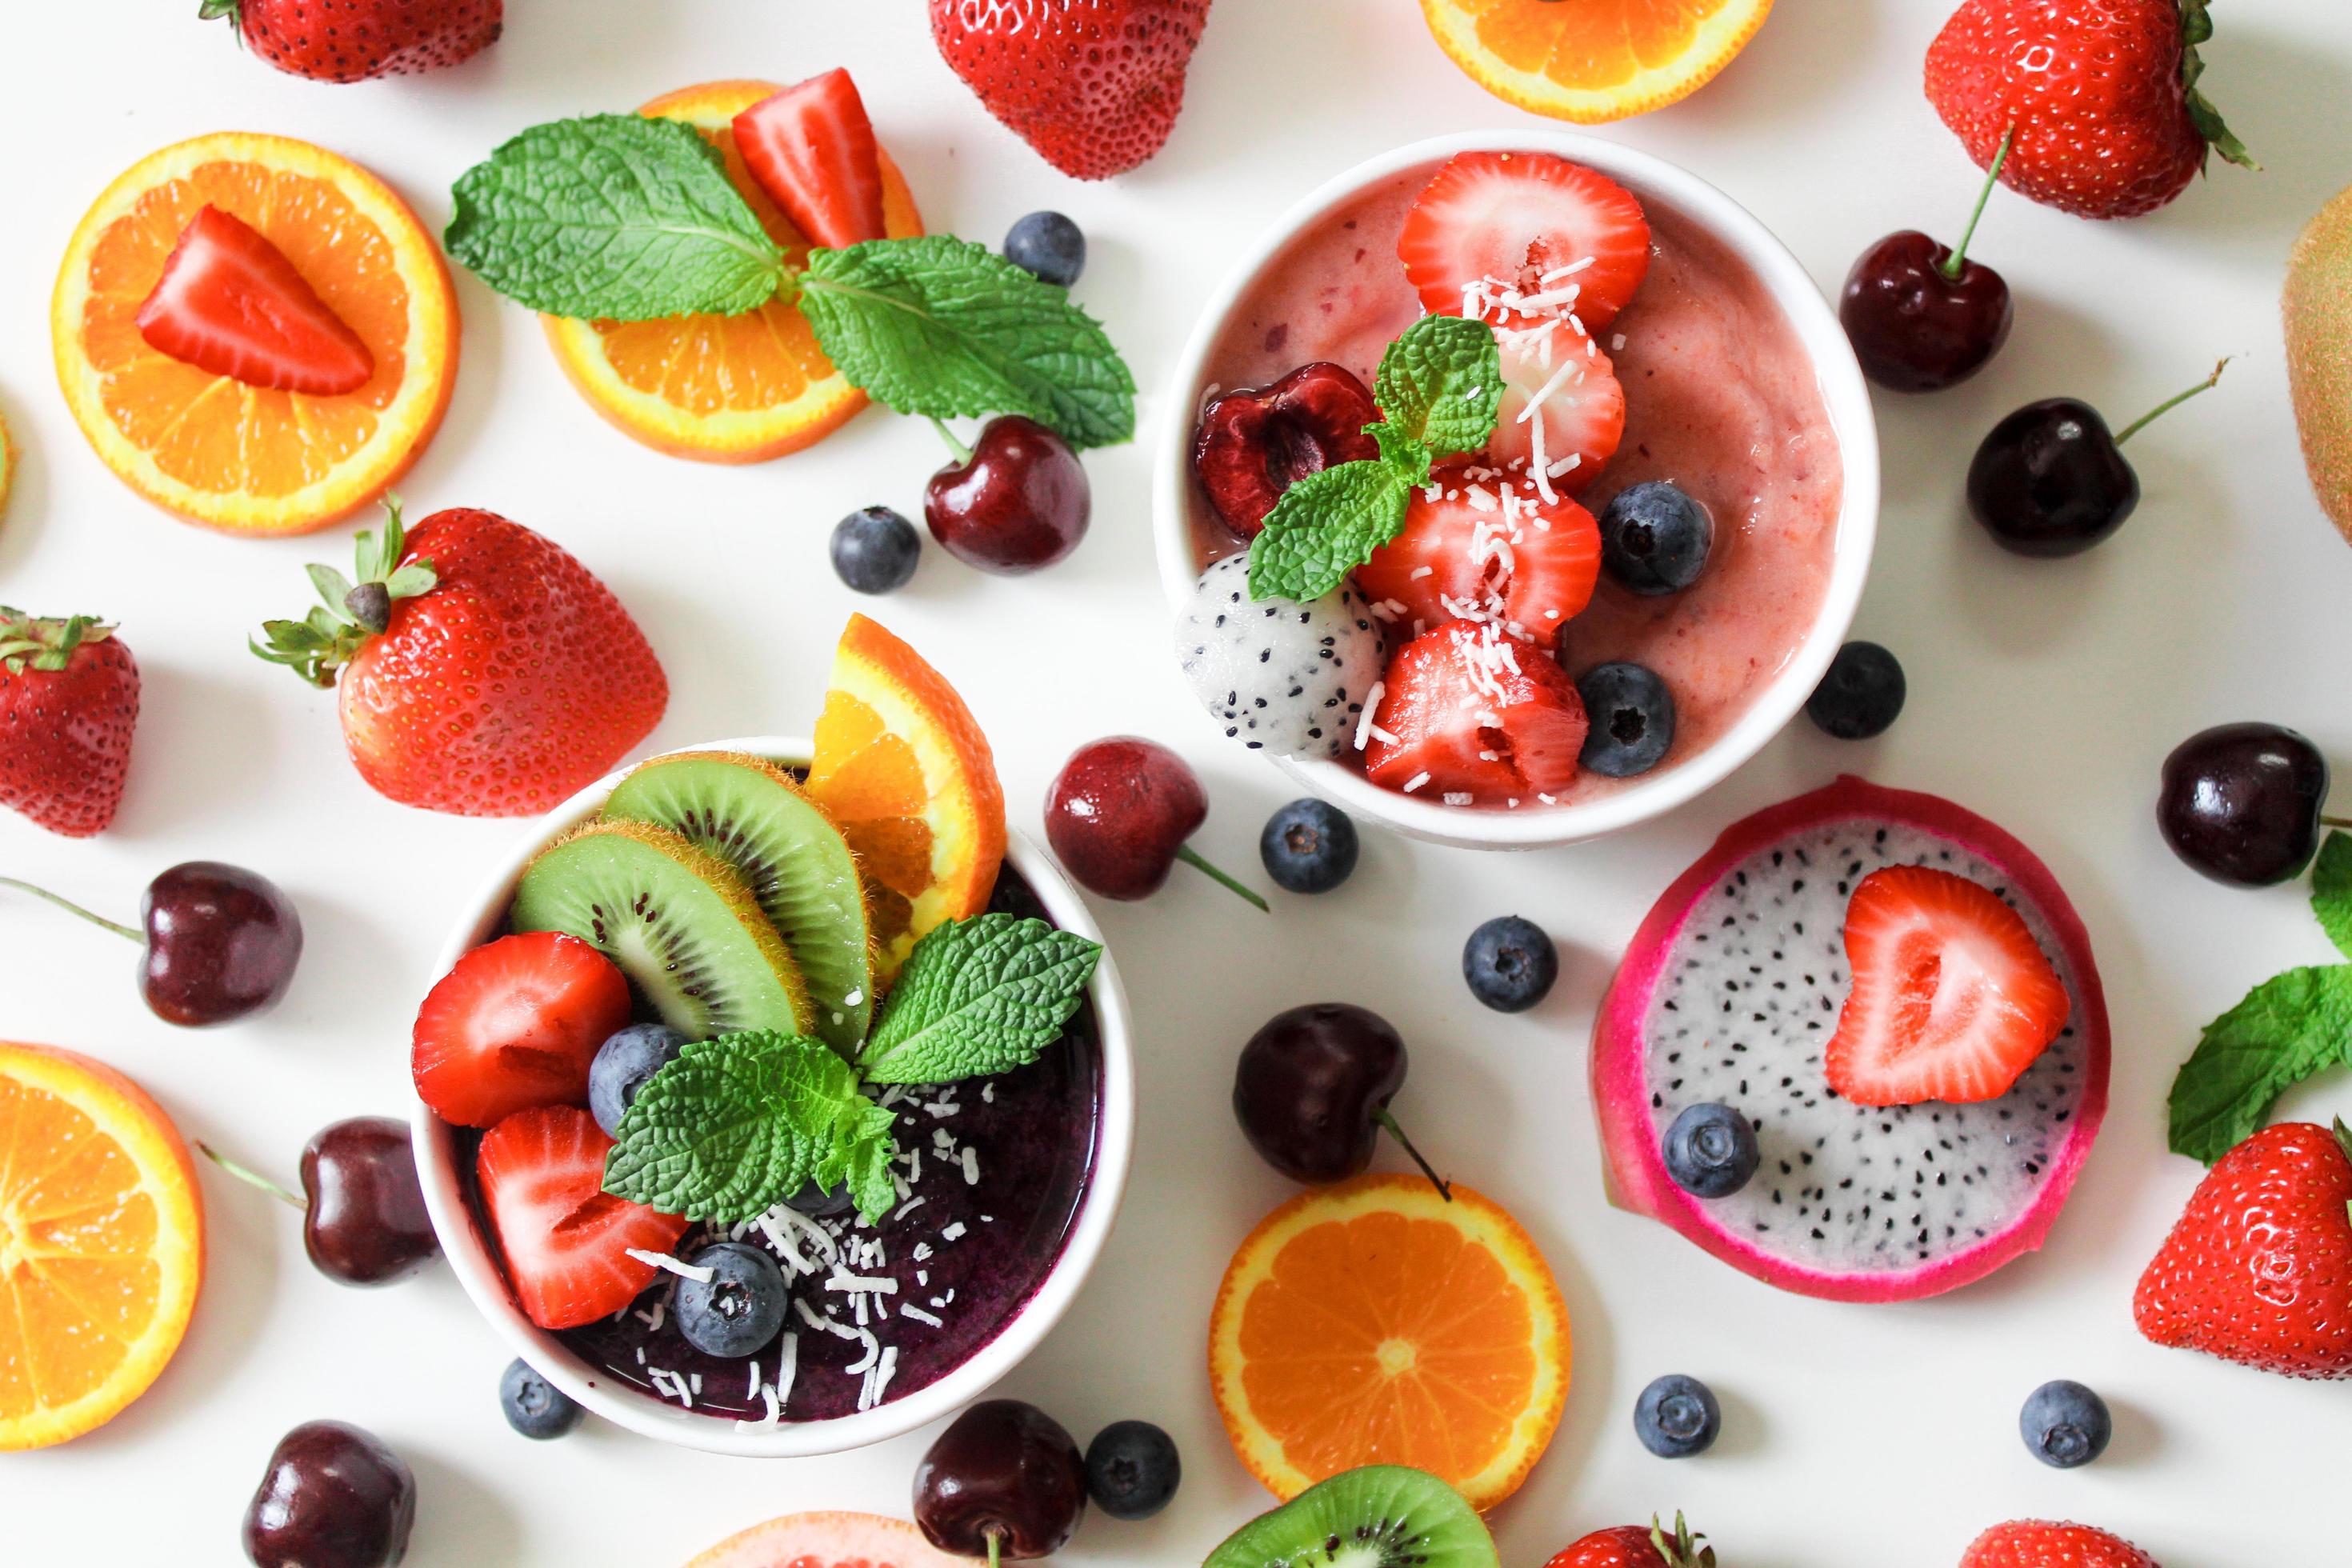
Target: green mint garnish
(1327, 524)
(1441, 385)
(978, 996)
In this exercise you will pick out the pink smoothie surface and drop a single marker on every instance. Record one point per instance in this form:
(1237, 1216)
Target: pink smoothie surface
(1720, 397)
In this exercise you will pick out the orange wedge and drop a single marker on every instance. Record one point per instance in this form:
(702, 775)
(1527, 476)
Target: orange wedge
(8, 465)
(1593, 60)
(1375, 1323)
(102, 1244)
(721, 389)
(215, 451)
(904, 771)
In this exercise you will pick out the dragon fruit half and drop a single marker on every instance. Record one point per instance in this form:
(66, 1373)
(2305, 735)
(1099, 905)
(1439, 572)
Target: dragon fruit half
(1280, 676)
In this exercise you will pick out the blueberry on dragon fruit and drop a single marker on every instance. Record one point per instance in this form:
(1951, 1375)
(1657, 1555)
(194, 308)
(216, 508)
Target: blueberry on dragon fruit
(1730, 994)
(1280, 676)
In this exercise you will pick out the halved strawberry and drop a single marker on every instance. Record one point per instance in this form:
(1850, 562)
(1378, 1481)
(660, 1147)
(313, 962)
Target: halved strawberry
(565, 1240)
(1469, 711)
(811, 149)
(1487, 547)
(1562, 405)
(516, 1024)
(1521, 235)
(1952, 998)
(229, 303)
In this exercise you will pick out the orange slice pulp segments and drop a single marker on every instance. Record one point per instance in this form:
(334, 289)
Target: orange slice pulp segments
(903, 769)
(1374, 1323)
(102, 1244)
(722, 389)
(215, 451)
(1593, 60)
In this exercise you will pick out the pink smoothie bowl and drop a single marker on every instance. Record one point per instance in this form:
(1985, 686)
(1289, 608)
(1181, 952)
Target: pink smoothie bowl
(1177, 501)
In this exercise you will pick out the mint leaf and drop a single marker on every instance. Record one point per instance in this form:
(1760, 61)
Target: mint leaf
(2287, 1028)
(938, 326)
(614, 216)
(1440, 384)
(979, 996)
(1324, 527)
(737, 1124)
(2331, 890)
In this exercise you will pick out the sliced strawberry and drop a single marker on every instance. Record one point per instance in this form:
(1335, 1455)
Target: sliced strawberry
(1578, 417)
(565, 1240)
(516, 1024)
(1513, 236)
(811, 149)
(1952, 998)
(1486, 547)
(1468, 710)
(229, 303)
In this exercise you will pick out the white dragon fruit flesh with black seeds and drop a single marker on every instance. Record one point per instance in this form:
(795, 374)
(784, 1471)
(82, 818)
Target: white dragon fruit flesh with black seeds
(1282, 676)
(1730, 993)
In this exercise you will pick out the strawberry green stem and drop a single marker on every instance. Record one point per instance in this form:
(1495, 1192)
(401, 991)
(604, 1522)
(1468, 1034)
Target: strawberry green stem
(2170, 403)
(67, 904)
(962, 453)
(1954, 262)
(1186, 853)
(250, 1176)
(1395, 1131)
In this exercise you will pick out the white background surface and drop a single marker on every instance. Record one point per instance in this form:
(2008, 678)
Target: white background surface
(2043, 694)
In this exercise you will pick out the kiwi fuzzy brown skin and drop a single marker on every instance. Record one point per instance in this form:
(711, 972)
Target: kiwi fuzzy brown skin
(1377, 1516)
(2317, 307)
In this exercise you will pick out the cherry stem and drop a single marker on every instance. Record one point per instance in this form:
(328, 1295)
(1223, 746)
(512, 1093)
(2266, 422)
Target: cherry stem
(962, 453)
(2170, 403)
(1185, 853)
(118, 929)
(250, 1176)
(1951, 264)
(2326, 821)
(995, 1546)
(1396, 1131)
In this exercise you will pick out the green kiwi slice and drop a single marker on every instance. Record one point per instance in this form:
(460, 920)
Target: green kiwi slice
(679, 921)
(749, 812)
(1381, 1516)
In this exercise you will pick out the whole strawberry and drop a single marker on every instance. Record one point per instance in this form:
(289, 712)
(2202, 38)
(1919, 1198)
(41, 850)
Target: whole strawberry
(2259, 1269)
(2100, 96)
(1638, 1546)
(69, 701)
(352, 40)
(479, 668)
(2037, 1543)
(1093, 85)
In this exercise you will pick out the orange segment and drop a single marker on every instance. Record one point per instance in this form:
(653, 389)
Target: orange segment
(1593, 60)
(102, 1244)
(247, 458)
(1375, 1323)
(722, 389)
(902, 765)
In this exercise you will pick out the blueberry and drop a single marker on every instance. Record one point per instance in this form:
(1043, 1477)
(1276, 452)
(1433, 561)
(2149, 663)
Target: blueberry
(1132, 1468)
(1510, 963)
(1655, 539)
(814, 1200)
(623, 1064)
(1049, 245)
(874, 550)
(1632, 715)
(1308, 846)
(1861, 695)
(1711, 1152)
(1677, 1416)
(740, 1308)
(534, 1406)
(2065, 1425)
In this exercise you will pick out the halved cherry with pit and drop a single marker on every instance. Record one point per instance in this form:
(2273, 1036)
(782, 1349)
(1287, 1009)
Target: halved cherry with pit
(1255, 442)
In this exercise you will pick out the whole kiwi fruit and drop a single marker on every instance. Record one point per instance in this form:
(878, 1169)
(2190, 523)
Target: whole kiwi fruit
(2317, 305)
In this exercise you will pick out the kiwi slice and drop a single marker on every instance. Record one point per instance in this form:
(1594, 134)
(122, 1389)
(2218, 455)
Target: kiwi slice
(1381, 1516)
(679, 921)
(749, 812)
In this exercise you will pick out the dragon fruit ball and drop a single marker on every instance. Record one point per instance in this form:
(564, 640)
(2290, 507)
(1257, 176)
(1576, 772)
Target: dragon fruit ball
(1282, 676)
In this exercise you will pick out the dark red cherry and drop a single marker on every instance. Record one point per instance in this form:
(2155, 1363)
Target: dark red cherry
(2051, 479)
(219, 943)
(1312, 1091)
(1005, 1479)
(1119, 813)
(2242, 803)
(1923, 317)
(1255, 442)
(333, 1497)
(1019, 502)
(363, 1215)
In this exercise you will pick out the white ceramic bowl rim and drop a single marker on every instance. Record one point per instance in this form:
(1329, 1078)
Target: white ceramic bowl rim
(1843, 391)
(462, 1243)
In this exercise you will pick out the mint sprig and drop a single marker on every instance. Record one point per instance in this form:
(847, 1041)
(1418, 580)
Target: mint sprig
(977, 996)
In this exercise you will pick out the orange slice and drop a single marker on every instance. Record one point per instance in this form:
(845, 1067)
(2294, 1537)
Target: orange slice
(102, 1244)
(8, 465)
(908, 778)
(721, 389)
(1375, 1323)
(1593, 60)
(246, 458)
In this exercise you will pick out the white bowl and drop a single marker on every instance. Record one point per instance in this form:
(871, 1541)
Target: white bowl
(1843, 393)
(469, 1255)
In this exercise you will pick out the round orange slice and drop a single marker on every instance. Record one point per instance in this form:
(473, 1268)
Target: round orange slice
(102, 1244)
(721, 389)
(1376, 1324)
(903, 769)
(250, 459)
(1593, 60)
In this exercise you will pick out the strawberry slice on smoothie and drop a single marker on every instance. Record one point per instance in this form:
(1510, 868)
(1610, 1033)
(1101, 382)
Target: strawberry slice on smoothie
(1475, 717)
(229, 303)
(1483, 547)
(566, 1241)
(1513, 238)
(810, 148)
(1562, 414)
